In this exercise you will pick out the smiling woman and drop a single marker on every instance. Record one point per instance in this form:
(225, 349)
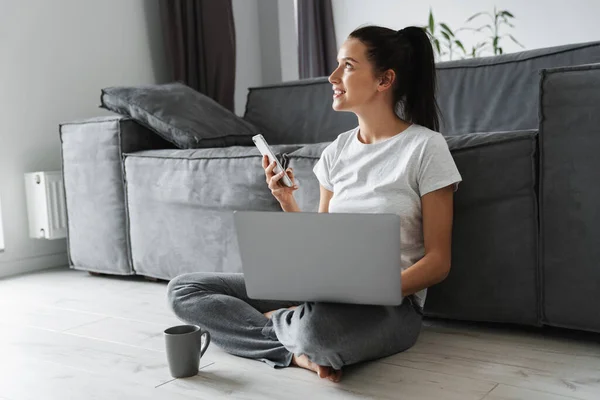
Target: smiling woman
(388, 164)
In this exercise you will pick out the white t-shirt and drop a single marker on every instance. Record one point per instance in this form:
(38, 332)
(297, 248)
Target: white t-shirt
(389, 176)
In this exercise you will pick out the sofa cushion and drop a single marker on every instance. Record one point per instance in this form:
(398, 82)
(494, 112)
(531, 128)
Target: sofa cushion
(501, 93)
(494, 251)
(180, 205)
(495, 272)
(178, 113)
(297, 112)
(569, 198)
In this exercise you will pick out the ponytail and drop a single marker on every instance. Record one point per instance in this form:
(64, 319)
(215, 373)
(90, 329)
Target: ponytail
(409, 53)
(420, 105)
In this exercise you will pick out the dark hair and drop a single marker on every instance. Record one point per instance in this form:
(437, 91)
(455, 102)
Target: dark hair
(409, 53)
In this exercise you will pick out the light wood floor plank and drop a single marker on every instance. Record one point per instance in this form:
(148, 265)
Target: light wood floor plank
(125, 297)
(43, 316)
(31, 379)
(508, 353)
(568, 375)
(504, 392)
(119, 330)
(107, 358)
(547, 339)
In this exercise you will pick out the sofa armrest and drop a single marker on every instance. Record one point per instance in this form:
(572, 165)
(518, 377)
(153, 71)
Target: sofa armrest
(92, 163)
(570, 194)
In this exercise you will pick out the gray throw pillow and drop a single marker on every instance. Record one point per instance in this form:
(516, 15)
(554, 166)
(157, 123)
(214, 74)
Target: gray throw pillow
(180, 114)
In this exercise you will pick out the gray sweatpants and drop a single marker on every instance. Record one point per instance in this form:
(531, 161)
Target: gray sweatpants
(330, 334)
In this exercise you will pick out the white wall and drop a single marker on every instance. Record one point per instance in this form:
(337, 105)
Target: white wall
(537, 24)
(56, 56)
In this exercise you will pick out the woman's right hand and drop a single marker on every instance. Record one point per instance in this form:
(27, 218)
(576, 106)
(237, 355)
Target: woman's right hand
(282, 193)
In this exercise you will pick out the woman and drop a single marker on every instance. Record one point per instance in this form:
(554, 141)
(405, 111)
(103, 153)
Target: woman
(386, 164)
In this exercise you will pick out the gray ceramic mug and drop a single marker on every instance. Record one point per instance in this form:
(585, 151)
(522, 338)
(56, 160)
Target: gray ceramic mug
(184, 349)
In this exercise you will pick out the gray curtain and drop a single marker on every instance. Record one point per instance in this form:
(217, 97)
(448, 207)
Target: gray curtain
(317, 49)
(199, 40)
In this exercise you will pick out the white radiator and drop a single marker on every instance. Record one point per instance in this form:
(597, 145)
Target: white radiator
(46, 205)
(1, 230)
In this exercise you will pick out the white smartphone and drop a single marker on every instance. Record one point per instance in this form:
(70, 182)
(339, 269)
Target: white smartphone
(265, 150)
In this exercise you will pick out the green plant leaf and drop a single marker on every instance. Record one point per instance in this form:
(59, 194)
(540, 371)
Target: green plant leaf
(516, 41)
(506, 13)
(495, 42)
(480, 47)
(483, 27)
(437, 46)
(500, 50)
(431, 21)
(444, 34)
(460, 46)
(472, 17)
(447, 29)
(465, 29)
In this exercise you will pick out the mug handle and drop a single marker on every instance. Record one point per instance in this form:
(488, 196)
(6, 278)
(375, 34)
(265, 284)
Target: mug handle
(206, 342)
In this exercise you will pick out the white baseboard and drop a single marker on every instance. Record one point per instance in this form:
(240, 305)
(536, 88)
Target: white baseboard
(31, 264)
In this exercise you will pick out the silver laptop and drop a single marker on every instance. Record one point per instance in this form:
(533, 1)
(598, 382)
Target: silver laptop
(309, 256)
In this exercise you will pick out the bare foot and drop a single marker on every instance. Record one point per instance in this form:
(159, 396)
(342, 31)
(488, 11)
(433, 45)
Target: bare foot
(270, 313)
(323, 372)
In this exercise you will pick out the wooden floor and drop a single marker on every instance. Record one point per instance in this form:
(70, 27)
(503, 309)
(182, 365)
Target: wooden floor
(69, 335)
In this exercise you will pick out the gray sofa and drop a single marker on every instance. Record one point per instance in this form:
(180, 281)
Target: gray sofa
(523, 129)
